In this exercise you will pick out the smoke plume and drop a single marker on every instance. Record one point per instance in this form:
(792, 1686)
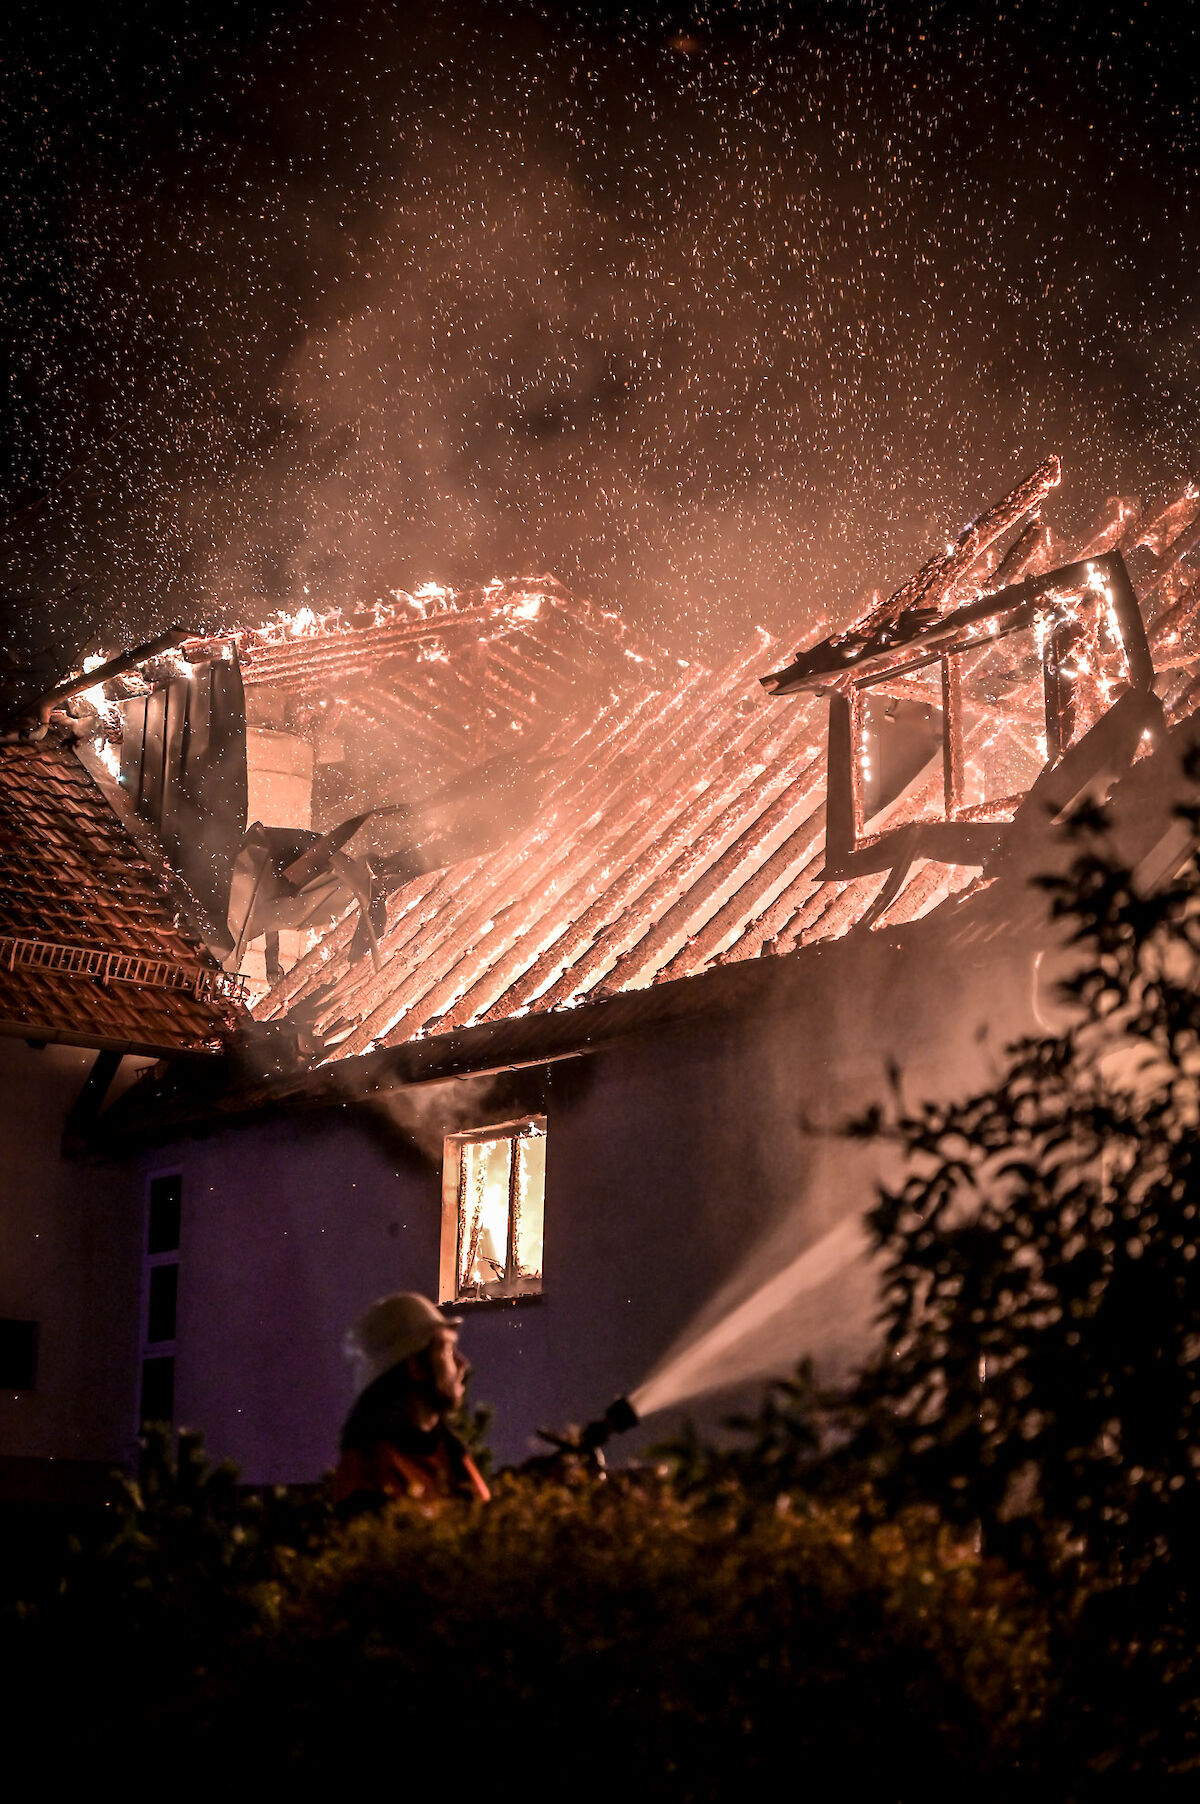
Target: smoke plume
(720, 322)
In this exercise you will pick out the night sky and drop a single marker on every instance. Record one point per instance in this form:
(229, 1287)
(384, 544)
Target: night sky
(721, 316)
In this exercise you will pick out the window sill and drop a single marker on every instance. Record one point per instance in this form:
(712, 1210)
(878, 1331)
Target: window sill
(523, 1301)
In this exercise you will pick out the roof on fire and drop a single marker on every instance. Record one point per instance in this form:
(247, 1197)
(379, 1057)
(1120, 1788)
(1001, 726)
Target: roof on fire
(989, 927)
(442, 680)
(684, 829)
(92, 950)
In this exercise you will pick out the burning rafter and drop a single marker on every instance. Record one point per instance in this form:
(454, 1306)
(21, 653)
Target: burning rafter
(449, 648)
(686, 829)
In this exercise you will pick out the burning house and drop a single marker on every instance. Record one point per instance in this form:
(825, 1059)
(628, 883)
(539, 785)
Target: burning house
(370, 747)
(566, 1048)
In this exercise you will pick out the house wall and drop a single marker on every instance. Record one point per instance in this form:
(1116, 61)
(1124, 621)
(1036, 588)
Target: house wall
(682, 1167)
(69, 1253)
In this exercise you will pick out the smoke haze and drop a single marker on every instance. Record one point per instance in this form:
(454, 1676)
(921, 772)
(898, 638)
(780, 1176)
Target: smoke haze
(716, 317)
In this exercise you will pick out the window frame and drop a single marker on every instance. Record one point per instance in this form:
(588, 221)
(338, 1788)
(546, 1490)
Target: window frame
(971, 834)
(953, 749)
(512, 1128)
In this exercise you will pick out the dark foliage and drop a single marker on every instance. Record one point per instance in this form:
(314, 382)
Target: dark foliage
(568, 1634)
(1040, 1373)
(784, 1448)
(145, 1591)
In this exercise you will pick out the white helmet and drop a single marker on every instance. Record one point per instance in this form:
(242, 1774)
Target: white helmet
(393, 1330)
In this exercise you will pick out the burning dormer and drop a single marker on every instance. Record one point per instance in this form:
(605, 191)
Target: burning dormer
(946, 720)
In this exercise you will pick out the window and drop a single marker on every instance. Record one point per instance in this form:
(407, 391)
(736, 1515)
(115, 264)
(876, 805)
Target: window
(1001, 716)
(160, 1298)
(158, 1389)
(18, 1355)
(493, 1204)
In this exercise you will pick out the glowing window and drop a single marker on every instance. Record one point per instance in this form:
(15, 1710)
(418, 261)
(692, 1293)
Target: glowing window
(493, 1206)
(964, 733)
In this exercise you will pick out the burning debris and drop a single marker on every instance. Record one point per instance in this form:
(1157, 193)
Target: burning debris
(421, 725)
(80, 707)
(429, 685)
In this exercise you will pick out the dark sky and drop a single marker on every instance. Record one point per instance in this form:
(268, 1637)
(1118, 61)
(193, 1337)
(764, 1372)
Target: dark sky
(722, 316)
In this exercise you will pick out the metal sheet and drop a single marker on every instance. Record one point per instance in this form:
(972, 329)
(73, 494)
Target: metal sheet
(183, 763)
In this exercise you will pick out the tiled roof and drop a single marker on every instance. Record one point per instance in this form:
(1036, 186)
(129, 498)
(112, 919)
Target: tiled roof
(90, 951)
(995, 921)
(683, 830)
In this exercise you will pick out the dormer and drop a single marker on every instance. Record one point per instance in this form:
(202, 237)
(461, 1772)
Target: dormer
(940, 724)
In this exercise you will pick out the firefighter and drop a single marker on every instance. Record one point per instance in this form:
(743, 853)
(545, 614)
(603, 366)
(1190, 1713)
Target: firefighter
(397, 1441)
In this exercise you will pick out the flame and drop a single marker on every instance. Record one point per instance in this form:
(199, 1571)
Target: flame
(96, 695)
(178, 663)
(109, 756)
(303, 623)
(427, 597)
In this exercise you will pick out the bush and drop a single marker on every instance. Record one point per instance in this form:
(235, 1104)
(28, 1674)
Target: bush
(573, 1635)
(689, 1640)
(1040, 1372)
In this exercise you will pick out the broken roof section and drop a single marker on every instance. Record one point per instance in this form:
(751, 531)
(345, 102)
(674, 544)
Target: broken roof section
(92, 950)
(1004, 547)
(440, 681)
(685, 828)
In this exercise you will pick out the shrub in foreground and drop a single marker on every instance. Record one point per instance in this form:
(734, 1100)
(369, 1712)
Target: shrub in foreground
(688, 1642)
(578, 1636)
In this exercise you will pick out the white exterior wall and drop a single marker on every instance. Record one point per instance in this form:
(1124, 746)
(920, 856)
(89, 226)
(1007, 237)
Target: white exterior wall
(70, 1242)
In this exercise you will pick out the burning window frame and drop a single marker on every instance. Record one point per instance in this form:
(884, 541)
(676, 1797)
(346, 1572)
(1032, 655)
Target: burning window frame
(966, 834)
(514, 1283)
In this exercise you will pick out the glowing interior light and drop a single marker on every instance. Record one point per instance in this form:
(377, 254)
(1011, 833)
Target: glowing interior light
(529, 1205)
(501, 1210)
(483, 1241)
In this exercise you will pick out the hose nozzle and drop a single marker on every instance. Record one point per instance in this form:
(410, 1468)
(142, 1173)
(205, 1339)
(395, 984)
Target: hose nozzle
(618, 1418)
